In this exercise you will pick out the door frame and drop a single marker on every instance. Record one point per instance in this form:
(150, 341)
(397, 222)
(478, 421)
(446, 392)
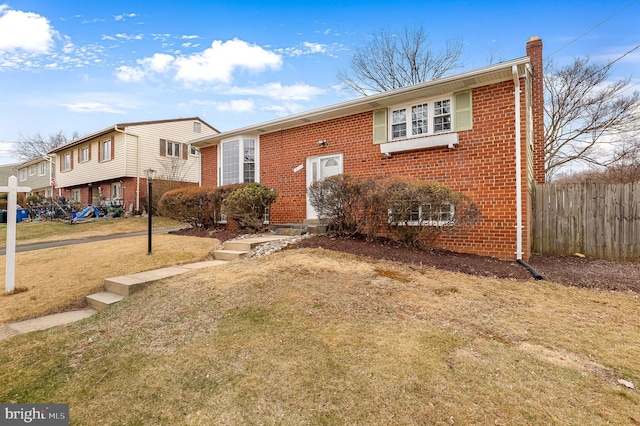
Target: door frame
(317, 161)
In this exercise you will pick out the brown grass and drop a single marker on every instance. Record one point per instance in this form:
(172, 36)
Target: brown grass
(58, 279)
(32, 232)
(316, 337)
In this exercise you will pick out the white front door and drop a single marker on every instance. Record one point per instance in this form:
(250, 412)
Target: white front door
(319, 168)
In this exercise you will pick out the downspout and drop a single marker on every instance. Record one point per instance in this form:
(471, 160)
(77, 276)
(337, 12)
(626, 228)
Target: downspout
(518, 139)
(137, 162)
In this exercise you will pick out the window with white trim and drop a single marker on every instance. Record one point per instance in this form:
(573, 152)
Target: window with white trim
(238, 161)
(84, 154)
(116, 190)
(75, 196)
(440, 214)
(105, 150)
(67, 162)
(48, 193)
(23, 174)
(173, 149)
(42, 168)
(410, 121)
(32, 170)
(197, 127)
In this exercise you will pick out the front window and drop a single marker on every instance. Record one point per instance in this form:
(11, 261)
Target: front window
(75, 196)
(105, 154)
(399, 124)
(23, 174)
(197, 127)
(173, 149)
(48, 193)
(442, 116)
(421, 124)
(43, 169)
(238, 161)
(84, 154)
(116, 190)
(66, 162)
(32, 170)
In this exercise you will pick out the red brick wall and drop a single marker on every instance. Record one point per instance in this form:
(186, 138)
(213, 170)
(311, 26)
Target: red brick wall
(534, 52)
(482, 165)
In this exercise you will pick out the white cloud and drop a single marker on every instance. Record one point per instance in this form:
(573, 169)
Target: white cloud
(307, 48)
(125, 36)
(160, 62)
(25, 30)
(189, 37)
(218, 62)
(124, 16)
(214, 64)
(284, 109)
(129, 74)
(297, 92)
(237, 105)
(88, 107)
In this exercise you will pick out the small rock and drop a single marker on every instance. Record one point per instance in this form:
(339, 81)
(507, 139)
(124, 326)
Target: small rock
(626, 383)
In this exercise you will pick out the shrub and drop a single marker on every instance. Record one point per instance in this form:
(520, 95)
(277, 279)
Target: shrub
(341, 200)
(193, 205)
(248, 205)
(419, 211)
(200, 207)
(412, 211)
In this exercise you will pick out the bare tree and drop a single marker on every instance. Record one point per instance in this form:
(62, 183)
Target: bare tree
(583, 112)
(390, 62)
(30, 147)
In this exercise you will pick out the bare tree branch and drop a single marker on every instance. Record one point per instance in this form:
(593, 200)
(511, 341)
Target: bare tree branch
(584, 111)
(390, 62)
(30, 147)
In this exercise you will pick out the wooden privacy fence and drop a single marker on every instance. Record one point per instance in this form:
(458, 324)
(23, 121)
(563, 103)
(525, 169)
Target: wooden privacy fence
(596, 219)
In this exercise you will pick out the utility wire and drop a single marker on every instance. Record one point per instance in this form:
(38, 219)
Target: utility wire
(593, 28)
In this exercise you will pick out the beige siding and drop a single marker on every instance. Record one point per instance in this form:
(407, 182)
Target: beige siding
(149, 139)
(135, 150)
(93, 170)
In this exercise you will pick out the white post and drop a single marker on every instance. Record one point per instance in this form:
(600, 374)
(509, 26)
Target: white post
(12, 201)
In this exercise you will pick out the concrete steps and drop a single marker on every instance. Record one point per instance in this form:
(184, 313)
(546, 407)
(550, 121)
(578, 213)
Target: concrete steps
(237, 249)
(117, 288)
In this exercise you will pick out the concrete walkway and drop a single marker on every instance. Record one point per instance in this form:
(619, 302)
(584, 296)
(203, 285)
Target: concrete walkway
(139, 279)
(49, 321)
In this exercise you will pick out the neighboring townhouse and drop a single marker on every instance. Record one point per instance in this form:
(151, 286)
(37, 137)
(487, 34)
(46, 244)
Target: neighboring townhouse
(37, 174)
(109, 165)
(6, 171)
(480, 132)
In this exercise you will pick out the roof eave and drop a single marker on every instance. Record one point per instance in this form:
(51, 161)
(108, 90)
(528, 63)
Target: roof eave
(474, 78)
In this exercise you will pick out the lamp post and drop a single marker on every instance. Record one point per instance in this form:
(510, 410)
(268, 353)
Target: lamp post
(150, 175)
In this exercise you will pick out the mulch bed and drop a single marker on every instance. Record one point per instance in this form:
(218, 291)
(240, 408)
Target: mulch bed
(566, 270)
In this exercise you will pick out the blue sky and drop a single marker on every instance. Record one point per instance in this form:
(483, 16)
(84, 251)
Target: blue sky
(84, 65)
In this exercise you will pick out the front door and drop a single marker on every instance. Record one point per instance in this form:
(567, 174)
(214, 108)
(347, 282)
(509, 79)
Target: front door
(319, 168)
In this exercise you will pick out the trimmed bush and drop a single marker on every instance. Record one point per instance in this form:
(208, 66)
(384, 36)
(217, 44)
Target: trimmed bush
(419, 211)
(341, 200)
(248, 205)
(200, 207)
(411, 211)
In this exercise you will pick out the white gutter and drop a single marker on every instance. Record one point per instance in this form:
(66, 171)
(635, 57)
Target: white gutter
(137, 162)
(516, 82)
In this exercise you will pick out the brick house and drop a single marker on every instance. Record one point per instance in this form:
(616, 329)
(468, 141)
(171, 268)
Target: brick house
(109, 165)
(480, 132)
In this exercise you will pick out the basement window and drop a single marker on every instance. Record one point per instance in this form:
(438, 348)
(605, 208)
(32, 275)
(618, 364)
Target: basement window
(403, 214)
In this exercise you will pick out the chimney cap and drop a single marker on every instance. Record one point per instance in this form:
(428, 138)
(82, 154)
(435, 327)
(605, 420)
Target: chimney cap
(534, 38)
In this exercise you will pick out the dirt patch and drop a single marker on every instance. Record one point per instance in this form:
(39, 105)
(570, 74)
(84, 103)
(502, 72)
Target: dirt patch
(566, 270)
